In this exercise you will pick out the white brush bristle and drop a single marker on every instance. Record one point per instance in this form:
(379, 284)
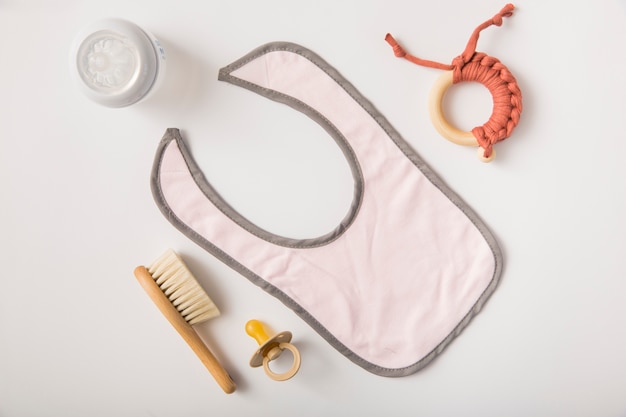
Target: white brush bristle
(181, 288)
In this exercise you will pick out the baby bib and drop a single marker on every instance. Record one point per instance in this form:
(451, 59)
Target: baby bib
(402, 274)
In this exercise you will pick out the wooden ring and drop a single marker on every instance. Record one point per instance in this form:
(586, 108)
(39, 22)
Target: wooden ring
(445, 129)
(294, 367)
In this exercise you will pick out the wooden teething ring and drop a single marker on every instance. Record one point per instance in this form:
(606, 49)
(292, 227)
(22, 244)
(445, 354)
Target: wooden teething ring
(482, 68)
(435, 107)
(507, 102)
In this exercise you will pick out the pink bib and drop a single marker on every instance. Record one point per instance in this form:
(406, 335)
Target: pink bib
(403, 273)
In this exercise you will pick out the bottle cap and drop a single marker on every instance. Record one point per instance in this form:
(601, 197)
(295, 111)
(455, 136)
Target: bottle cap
(116, 63)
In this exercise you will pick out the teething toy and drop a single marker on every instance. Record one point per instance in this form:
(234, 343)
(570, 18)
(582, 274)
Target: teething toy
(482, 68)
(270, 348)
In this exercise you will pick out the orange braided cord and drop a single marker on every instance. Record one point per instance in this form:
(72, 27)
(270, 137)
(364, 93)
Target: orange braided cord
(507, 98)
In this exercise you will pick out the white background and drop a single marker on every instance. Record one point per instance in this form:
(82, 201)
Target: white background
(79, 337)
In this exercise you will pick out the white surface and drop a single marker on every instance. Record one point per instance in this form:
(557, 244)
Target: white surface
(79, 337)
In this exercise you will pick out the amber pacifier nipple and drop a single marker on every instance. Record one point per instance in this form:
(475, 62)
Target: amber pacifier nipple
(270, 348)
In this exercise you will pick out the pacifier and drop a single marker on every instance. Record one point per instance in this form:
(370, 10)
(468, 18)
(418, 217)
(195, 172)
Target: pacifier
(270, 348)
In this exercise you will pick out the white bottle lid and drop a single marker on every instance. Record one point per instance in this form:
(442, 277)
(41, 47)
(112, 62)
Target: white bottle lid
(116, 63)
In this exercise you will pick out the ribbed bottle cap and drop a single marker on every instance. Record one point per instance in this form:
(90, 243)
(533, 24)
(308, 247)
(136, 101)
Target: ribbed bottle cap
(116, 63)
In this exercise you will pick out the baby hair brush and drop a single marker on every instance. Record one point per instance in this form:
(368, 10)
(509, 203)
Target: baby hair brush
(184, 303)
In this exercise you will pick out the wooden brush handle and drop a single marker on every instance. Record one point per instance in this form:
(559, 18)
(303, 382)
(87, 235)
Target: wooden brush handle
(184, 329)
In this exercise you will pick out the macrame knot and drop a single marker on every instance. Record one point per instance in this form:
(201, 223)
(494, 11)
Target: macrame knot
(484, 141)
(507, 11)
(397, 49)
(457, 65)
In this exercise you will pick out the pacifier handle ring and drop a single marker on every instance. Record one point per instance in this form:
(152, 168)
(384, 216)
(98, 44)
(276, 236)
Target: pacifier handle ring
(294, 367)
